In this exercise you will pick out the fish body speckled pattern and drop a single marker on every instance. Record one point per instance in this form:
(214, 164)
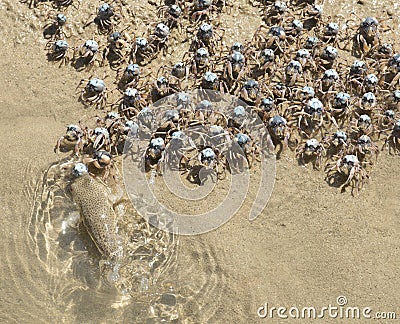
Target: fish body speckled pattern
(97, 214)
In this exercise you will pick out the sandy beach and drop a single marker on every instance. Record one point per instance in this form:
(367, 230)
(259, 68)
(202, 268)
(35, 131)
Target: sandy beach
(309, 246)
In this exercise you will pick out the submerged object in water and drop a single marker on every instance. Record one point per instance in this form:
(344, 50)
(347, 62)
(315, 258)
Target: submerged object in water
(97, 213)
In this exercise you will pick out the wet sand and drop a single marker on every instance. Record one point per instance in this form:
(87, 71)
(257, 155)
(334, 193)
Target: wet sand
(310, 245)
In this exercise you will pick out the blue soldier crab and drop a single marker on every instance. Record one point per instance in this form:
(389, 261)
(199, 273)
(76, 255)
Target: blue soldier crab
(352, 168)
(94, 93)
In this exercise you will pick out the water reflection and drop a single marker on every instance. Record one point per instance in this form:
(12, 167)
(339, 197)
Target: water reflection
(153, 283)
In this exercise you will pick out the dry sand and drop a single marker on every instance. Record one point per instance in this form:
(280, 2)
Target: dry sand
(310, 245)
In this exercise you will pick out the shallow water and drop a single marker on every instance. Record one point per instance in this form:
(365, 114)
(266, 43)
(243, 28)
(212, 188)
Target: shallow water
(153, 282)
(310, 245)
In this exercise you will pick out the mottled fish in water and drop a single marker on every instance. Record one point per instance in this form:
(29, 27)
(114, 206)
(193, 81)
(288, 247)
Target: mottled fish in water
(97, 213)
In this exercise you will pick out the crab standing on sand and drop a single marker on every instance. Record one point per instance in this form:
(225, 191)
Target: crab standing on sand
(234, 69)
(171, 16)
(207, 162)
(393, 140)
(336, 143)
(54, 29)
(102, 163)
(119, 49)
(108, 16)
(311, 117)
(250, 149)
(86, 55)
(131, 103)
(143, 52)
(176, 75)
(209, 37)
(267, 63)
(280, 132)
(200, 61)
(365, 146)
(311, 151)
(155, 156)
(73, 138)
(367, 37)
(99, 139)
(58, 51)
(201, 9)
(94, 93)
(158, 37)
(250, 92)
(349, 166)
(340, 109)
(129, 76)
(271, 37)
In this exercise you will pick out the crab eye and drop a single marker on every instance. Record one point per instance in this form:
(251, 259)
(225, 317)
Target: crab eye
(311, 42)
(132, 93)
(371, 78)
(396, 95)
(204, 105)
(113, 37)
(318, 8)
(389, 113)
(340, 135)
(161, 81)
(207, 155)
(96, 85)
(178, 65)
(385, 48)
(303, 53)
(368, 97)
(350, 160)
(330, 52)
(364, 119)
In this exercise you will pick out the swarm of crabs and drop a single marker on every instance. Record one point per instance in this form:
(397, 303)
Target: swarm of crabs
(327, 90)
